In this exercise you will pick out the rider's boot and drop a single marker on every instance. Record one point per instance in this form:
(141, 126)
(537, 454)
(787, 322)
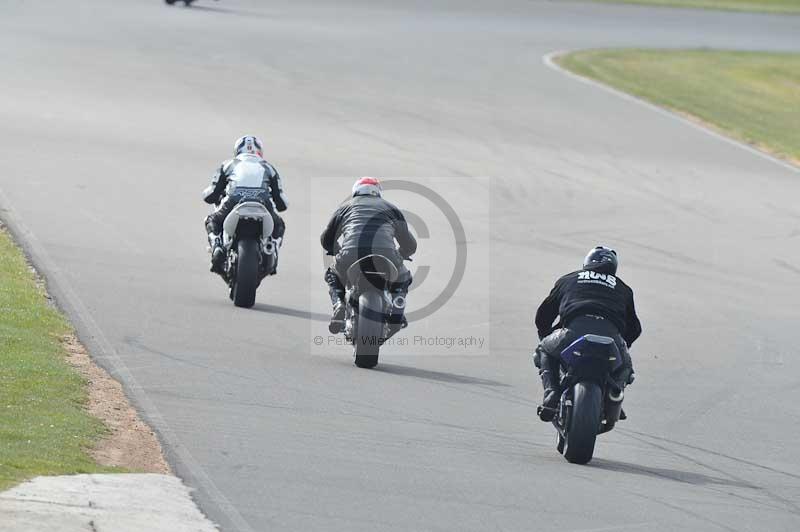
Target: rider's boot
(336, 291)
(549, 374)
(217, 253)
(337, 318)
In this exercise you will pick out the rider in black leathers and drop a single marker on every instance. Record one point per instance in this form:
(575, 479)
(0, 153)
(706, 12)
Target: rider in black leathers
(588, 301)
(246, 177)
(366, 224)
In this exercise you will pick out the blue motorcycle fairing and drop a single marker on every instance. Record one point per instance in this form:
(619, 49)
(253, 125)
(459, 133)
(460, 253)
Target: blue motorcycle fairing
(590, 348)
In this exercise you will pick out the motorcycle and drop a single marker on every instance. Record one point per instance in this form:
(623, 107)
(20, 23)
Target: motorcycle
(591, 402)
(372, 316)
(187, 3)
(251, 252)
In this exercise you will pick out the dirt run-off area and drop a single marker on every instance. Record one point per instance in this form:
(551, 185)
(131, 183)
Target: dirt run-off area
(130, 444)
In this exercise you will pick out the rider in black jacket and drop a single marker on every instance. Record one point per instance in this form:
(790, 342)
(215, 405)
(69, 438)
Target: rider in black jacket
(589, 301)
(365, 224)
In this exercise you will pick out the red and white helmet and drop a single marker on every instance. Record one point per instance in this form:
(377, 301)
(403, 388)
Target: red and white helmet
(367, 186)
(248, 144)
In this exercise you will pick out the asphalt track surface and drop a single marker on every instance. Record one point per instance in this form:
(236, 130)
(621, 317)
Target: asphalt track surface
(113, 115)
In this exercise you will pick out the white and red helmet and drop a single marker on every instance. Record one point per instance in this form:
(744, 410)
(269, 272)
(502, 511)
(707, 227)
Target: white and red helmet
(248, 144)
(367, 186)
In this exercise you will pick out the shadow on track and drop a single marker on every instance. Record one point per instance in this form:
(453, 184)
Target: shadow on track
(685, 477)
(438, 376)
(286, 311)
(227, 11)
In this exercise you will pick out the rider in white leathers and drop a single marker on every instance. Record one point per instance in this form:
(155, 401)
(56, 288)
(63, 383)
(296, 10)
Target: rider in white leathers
(246, 177)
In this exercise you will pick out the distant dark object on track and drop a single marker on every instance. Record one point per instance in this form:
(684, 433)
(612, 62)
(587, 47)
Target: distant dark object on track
(187, 3)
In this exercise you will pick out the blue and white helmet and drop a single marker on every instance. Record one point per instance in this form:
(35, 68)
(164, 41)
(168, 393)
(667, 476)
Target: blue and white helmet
(367, 186)
(248, 144)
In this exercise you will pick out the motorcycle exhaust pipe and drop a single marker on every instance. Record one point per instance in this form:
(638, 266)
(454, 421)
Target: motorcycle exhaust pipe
(269, 247)
(614, 406)
(399, 302)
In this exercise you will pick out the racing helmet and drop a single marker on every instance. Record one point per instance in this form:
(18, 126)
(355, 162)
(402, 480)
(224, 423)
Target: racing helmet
(248, 144)
(367, 186)
(602, 260)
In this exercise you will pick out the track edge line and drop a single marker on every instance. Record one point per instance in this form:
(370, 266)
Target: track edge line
(549, 61)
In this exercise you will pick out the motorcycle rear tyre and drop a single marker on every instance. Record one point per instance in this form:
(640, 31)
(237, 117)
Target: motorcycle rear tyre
(584, 422)
(246, 283)
(368, 336)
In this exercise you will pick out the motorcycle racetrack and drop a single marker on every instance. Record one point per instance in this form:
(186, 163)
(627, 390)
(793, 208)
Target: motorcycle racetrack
(114, 114)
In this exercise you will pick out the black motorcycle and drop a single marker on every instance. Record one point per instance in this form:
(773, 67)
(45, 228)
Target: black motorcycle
(372, 316)
(591, 403)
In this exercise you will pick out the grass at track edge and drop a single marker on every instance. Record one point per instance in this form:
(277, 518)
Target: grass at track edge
(791, 7)
(44, 428)
(753, 97)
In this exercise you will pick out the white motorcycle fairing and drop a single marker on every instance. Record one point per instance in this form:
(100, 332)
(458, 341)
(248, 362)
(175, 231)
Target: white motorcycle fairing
(248, 210)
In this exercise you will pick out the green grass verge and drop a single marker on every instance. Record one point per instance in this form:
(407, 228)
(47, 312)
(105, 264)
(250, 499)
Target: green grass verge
(752, 96)
(764, 6)
(44, 429)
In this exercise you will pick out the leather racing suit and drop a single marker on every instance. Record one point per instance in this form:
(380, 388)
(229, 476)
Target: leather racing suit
(246, 177)
(361, 226)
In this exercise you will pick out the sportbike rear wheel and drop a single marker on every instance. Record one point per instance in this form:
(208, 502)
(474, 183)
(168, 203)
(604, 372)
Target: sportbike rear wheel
(584, 422)
(246, 282)
(368, 335)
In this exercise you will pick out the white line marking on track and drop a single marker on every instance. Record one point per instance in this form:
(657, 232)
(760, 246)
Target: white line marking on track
(549, 61)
